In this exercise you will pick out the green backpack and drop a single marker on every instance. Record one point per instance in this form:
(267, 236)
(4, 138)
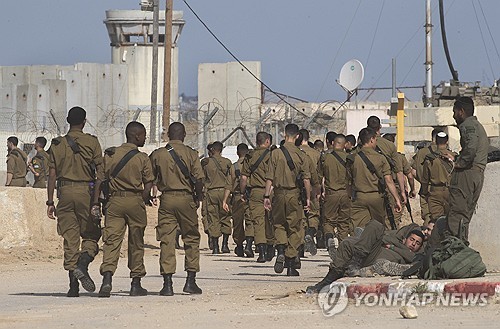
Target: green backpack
(453, 260)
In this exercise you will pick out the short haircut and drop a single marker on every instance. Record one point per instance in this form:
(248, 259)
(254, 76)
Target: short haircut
(13, 140)
(435, 131)
(242, 149)
(390, 137)
(441, 138)
(330, 137)
(134, 128)
(351, 139)
(76, 116)
(42, 141)
(465, 103)
(261, 137)
(417, 233)
(366, 134)
(299, 139)
(373, 122)
(340, 138)
(305, 134)
(291, 130)
(217, 146)
(176, 131)
(319, 144)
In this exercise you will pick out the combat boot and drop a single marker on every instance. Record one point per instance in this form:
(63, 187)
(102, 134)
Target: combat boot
(329, 240)
(210, 242)
(136, 289)
(279, 265)
(74, 286)
(248, 248)
(290, 269)
(238, 251)
(191, 287)
(215, 246)
(301, 251)
(262, 253)
(168, 289)
(177, 237)
(81, 272)
(310, 245)
(225, 241)
(333, 275)
(354, 266)
(106, 286)
(270, 252)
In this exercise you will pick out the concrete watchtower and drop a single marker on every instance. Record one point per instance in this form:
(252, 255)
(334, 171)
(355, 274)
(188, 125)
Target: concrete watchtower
(131, 36)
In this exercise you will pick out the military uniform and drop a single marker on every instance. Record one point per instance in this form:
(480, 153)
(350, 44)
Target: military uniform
(217, 171)
(288, 212)
(75, 179)
(16, 165)
(40, 164)
(369, 202)
(418, 165)
(467, 178)
(177, 207)
(337, 205)
(125, 208)
(239, 209)
(406, 170)
(313, 213)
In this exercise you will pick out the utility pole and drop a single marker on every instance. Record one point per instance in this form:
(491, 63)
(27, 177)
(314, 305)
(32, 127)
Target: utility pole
(154, 82)
(167, 73)
(428, 55)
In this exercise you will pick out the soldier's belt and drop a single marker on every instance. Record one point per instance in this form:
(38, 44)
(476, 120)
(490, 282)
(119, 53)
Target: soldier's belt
(176, 192)
(286, 190)
(215, 188)
(72, 183)
(438, 188)
(124, 194)
(332, 191)
(369, 192)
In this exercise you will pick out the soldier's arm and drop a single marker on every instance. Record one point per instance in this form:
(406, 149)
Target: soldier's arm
(51, 185)
(147, 180)
(466, 157)
(10, 170)
(225, 206)
(307, 187)
(243, 186)
(392, 188)
(424, 184)
(411, 182)
(267, 201)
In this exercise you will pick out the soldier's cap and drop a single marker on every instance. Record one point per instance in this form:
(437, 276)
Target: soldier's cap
(76, 115)
(441, 134)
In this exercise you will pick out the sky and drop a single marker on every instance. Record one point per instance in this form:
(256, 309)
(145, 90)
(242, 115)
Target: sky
(302, 44)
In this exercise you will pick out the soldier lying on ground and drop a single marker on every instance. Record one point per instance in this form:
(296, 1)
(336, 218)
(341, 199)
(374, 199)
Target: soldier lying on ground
(372, 245)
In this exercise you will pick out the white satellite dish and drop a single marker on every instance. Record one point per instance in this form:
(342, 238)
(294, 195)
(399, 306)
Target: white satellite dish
(351, 75)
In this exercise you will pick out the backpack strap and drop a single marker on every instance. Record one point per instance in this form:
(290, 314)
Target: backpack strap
(390, 160)
(368, 164)
(288, 158)
(182, 166)
(74, 146)
(259, 160)
(339, 159)
(130, 154)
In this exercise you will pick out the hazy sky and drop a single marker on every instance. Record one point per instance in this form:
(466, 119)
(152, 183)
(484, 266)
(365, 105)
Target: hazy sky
(300, 43)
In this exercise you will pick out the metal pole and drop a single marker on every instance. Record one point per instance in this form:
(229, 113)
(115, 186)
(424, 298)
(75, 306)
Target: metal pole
(400, 123)
(394, 77)
(167, 73)
(154, 82)
(428, 55)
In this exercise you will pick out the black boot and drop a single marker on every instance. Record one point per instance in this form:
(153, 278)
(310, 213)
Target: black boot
(310, 245)
(239, 250)
(354, 266)
(210, 242)
(320, 239)
(74, 286)
(136, 289)
(301, 251)
(328, 240)
(191, 287)
(333, 275)
(270, 252)
(290, 270)
(225, 241)
(296, 263)
(177, 236)
(215, 246)
(279, 265)
(106, 286)
(262, 253)
(82, 272)
(248, 248)
(168, 289)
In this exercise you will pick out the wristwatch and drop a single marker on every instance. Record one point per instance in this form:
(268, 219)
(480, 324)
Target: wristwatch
(266, 196)
(49, 203)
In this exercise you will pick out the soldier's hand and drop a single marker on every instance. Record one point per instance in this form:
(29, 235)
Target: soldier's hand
(412, 194)
(51, 212)
(267, 204)
(403, 198)
(243, 198)
(307, 206)
(225, 206)
(397, 206)
(96, 210)
(153, 201)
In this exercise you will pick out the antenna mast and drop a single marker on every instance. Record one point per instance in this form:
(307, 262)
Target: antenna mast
(428, 55)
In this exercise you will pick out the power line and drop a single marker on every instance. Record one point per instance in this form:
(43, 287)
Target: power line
(484, 42)
(375, 34)
(489, 31)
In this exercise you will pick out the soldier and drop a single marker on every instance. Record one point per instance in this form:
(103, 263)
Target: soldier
(468, 176)
(417, 169)
(368, 183)
(16, 164)
(312, 216)
(319, 146)
(39, 165)
(252, 190)
(129, 178)
(330, 136)
(332, 173)
(77, 165)
(179, 177)
(350, 143)
(436, 174)
(204, 207)
(217, 170)
(239, 208)
(287, 167)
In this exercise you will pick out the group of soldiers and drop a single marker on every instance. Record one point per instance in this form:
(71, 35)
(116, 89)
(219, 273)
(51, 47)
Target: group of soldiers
(278, 201)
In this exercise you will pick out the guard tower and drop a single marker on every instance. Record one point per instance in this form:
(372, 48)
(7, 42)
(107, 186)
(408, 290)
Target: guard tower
(131, 35)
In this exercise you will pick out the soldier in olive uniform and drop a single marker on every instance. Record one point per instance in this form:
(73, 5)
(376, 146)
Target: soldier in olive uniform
(369, 202)
(217, 170)
(39, 165)
(253, 180)
(129, 191)
(468, 176)
(16, 164)
(288, 210)
(350, 143)
(332, 172)
(312, 217)
(181, 194)
(436, 174)
(239, 208)
(77, 165)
